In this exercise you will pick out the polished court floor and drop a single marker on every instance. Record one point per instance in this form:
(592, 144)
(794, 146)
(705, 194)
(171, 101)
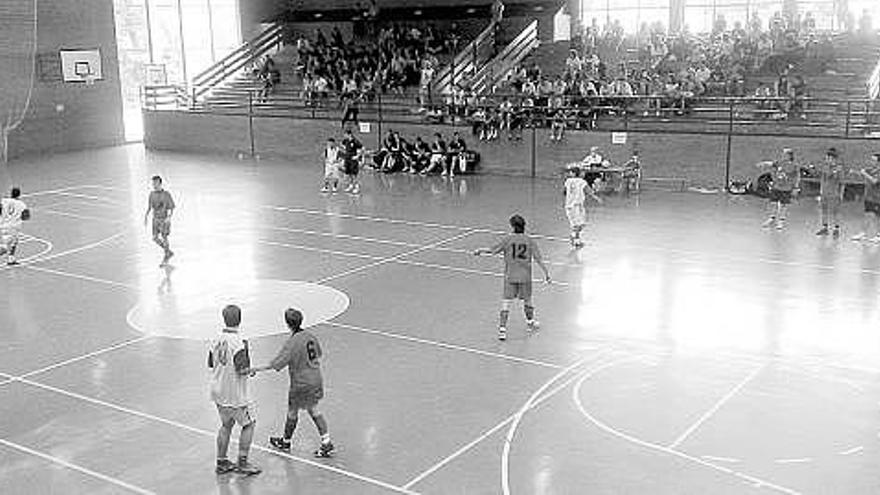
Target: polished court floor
(682, 351)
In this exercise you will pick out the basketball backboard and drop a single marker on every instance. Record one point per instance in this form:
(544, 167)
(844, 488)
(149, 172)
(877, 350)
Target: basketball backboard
(81, 65)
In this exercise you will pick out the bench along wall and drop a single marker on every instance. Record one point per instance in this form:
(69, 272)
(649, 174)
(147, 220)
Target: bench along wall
(699, 159)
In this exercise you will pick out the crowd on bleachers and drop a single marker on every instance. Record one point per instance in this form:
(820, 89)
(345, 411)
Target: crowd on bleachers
(398, 57)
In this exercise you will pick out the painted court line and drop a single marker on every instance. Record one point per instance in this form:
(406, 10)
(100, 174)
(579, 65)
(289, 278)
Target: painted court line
(394, 243)
(98, 199)
(384, 260)
(54, 191)
(716, 407)
(444, 345)
(340, 325)
(745, 259)
(514, 425)
(720, 459)
(79, 217)
(854, 450)
(394, 258)
(488, 433)
(47, 248)
(300, 247)
(86, 356)
(80, 249)
(753, 480)
(799, 460)
(74, 467)
(367, 218)
(79, 277)
(213, 434)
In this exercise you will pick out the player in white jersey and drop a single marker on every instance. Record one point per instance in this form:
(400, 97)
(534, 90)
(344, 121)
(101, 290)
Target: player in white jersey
(13, 211)
(332, 166)
(230, 364)
(576, 192)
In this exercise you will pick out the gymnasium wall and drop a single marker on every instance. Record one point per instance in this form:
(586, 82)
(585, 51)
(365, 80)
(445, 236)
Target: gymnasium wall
(302, 141)
(62, 116)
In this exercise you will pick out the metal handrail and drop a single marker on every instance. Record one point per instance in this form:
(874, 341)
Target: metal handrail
(237, 60)
(462, 62)
(873, 83)
(512, 54)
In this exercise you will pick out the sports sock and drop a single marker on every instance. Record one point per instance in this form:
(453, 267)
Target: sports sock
(503, 319)
(289, 428)
(325, 438)
(530, 312)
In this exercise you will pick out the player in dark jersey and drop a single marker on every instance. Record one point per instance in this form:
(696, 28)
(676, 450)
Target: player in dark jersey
(301, 355)
(351, 156)
(519, 250)
(162, 205)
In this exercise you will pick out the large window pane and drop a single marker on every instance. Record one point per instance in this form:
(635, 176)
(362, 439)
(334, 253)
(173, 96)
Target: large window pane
(196, 36)
(227, 28)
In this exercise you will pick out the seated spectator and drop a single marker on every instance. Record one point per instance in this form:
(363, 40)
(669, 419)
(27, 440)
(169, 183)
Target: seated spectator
(420, 156)
(394, 146)
(632, 172)
(438, 155)
(593, 159)
(457, 156)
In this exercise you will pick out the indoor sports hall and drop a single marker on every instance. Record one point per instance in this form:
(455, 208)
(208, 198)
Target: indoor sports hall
(690, 345)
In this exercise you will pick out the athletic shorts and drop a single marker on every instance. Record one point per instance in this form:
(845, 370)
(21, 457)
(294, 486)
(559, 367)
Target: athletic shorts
(517, 290)
(352, 167)
(331, 171)
(778, 196)
(304, 397)
(872, 207)
(577, 215)
(242, 415)
(161, 227)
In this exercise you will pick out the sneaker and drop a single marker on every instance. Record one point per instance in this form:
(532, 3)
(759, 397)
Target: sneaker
(325, 450)
(356, 189)
(769, 222)
(280, 443)
(822, 231)
(861, 236)
(502, 333)
(325, 189)
(224, 466)
(12, 262)
(443, 174)
(780, 224)
(247, 469)
(334, 189)
(533, 325)
(349, 187)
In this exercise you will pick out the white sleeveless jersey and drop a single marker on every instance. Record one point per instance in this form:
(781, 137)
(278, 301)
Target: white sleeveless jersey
(574, 191)
(228, 356)
(10, 213)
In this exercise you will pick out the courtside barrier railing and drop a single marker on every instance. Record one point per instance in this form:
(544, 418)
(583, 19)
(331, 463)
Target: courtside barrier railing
(808, 117)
